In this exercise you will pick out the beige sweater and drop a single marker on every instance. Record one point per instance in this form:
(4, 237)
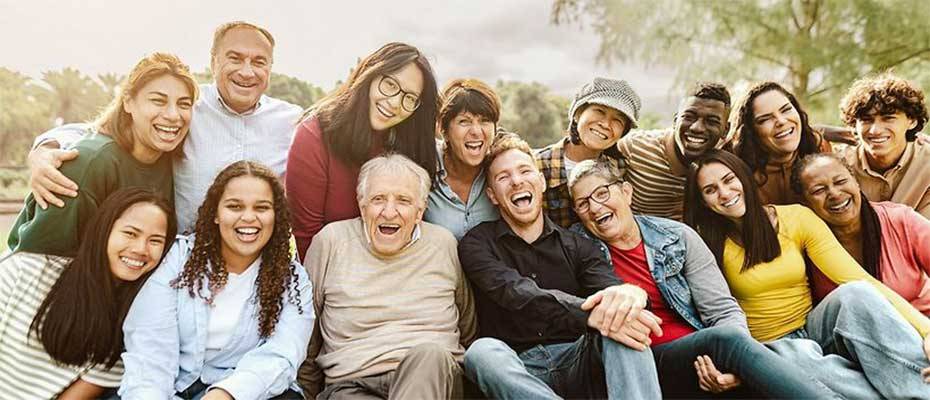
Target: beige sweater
(371, 310)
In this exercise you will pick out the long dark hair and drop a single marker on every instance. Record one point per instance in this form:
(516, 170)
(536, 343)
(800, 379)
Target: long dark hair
(758, 237)
(276, 273)
(344, 113)
(871, 226)
(746, 143)
(81, 318)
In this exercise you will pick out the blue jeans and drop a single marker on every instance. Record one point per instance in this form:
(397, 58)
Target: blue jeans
(734, 351)
(590, 367)
(859, 346)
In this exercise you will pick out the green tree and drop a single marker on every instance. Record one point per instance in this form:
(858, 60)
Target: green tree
(293, 90)
(110, 82)
(815, 47)
(531, 110)
(73, 96)
(22, 116)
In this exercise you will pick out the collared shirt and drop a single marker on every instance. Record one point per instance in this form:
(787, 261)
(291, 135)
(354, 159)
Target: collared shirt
(557, 200)
(218, 137)
(446, 209)
(166, 339)
(531, 293)
(908, 182)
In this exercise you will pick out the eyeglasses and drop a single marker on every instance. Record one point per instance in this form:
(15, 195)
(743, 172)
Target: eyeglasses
(600, 194)
(389, 87)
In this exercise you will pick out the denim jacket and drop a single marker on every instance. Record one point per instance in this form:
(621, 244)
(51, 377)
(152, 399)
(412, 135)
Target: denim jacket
(685, 272)
(166, 334)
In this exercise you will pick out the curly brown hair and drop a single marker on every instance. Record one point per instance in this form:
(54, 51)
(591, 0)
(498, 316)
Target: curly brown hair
(885, 94)
(277, 272)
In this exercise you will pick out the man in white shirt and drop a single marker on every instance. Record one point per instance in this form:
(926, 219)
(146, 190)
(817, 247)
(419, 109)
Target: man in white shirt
(233, 120)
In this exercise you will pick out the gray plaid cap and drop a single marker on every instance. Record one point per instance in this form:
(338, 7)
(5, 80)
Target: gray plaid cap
(613, 93)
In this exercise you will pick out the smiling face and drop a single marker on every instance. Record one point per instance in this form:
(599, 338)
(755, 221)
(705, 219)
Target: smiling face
(391, 210)
(469, 138)
(161, 115)
(612, 219)
(242, 67)
(721, 190)
(884, 136)
(245, 218)
(387, 111)
(777, 123)
(700, 124)
(600, 127)
(516, 188)
(831, 191)
(137, 241)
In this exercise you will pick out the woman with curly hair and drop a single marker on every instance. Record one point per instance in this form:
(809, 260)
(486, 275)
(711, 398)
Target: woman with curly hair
(883, 342)
(62, 318)
(888, 113)
(772, 131)
(388, 103)
(888, 239)
(227, 315)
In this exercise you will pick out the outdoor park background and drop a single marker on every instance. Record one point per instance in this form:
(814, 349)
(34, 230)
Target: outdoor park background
(61, 61)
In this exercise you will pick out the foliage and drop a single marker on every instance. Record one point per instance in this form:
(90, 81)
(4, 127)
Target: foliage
(531, 110)
(294, 90)
(22, 115)
(815, 47)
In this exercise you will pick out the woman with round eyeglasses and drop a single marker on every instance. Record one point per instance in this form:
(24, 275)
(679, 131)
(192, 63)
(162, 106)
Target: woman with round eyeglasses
(387, 104)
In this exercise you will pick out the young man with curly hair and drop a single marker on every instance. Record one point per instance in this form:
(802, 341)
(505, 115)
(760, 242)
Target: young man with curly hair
(887, 113)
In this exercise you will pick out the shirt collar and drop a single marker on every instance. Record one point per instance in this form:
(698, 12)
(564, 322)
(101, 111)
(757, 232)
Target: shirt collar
(503, 229)
(678, 168)
(905, 158)
(222, 103)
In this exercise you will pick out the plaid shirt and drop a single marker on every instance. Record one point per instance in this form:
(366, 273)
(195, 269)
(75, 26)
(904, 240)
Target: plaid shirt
(557, 201)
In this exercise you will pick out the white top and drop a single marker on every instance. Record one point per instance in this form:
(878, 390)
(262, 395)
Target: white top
(227, 307)
(569, 165)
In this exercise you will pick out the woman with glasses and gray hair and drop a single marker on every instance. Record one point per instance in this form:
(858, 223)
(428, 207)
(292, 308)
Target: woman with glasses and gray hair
(388, 103)
(702, 326)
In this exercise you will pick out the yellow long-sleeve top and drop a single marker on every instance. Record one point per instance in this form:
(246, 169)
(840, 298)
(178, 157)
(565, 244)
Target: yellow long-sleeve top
(776, 296)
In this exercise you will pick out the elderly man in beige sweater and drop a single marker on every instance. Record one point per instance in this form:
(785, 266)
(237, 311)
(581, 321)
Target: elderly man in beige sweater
(395, 312)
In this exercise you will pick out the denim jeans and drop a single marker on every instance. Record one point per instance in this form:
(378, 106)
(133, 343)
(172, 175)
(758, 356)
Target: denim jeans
(859, 346)
(199, 389)
(734, 351)
(590, 367)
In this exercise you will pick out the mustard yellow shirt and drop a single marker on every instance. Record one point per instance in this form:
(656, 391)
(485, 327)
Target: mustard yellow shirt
(776, 296)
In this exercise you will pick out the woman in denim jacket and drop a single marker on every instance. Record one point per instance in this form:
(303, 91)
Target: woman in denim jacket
(227, 314)
(703, 326)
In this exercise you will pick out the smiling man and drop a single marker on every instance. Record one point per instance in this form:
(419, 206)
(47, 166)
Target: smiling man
(233, 120)
(395, 311)
(888, 113)
(658, 160)
(554, 319)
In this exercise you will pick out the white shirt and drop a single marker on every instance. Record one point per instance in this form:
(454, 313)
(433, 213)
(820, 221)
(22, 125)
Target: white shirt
(227, 307)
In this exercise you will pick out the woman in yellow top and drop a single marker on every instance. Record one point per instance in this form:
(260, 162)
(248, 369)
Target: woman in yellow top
(761, 250)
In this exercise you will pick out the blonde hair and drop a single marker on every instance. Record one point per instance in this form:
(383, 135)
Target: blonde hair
(222, 29)
(505, 141)
(114, 121)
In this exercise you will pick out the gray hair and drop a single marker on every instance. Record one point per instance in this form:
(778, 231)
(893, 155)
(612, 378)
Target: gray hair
(395, 166)
(599, 168)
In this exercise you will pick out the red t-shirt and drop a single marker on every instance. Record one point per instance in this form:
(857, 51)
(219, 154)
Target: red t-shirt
(632, 267)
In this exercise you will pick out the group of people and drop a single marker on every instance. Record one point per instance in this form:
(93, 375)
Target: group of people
(393, 241)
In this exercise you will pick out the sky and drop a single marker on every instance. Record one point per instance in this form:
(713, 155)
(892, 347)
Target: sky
(319, 41)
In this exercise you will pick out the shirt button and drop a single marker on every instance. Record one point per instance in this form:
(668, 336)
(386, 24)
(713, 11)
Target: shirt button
(533, 276)
(539, 334)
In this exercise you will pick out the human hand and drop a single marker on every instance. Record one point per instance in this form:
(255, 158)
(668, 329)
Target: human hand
(923, 139)
(217, 394)
(838, 134)
(712, 380)
(635, 334)
(45, 180)
(614, 306)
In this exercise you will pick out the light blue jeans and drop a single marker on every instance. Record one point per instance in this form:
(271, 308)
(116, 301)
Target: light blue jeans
(590, 367)
(858, 345)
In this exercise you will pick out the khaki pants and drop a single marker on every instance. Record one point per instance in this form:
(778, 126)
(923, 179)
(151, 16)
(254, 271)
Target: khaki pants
(428, 372)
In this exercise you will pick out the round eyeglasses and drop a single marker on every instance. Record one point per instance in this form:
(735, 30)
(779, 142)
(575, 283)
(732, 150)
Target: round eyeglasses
(389, 87)
(600, 194)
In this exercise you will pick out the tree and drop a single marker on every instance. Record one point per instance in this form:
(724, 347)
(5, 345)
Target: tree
(532, 111)
(294, 90)
(815, 47)
(21, 117)
(110, 82)
(73, 96)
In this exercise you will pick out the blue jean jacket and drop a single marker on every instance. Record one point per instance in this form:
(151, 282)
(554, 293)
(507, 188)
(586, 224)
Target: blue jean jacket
(165, 334)
(665, 252)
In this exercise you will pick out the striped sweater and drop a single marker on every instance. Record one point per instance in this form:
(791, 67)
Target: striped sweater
(658, 178)
(26, 370)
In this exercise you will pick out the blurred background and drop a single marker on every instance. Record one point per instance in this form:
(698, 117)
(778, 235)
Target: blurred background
(62, 60)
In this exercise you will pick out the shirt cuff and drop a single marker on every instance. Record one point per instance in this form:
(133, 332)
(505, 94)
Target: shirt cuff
(242, 386)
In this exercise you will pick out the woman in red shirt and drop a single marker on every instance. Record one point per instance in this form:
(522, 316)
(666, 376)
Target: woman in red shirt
(388, 103)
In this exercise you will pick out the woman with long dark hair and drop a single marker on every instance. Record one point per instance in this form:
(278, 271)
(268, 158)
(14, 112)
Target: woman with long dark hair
(61, 318)
(388, 102)
(772, 132)
(227, 315)
(125, 146)
(762, 249)
(891, 241)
